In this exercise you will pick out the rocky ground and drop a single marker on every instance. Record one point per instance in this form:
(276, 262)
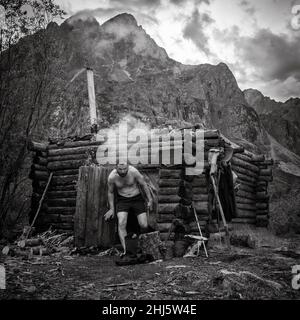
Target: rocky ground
(242, 273)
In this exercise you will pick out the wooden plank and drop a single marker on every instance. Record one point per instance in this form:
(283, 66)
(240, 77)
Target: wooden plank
(91, 208)
(106, 229)
(80, 213)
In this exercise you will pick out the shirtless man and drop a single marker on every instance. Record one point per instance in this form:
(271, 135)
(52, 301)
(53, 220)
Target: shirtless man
(126, 179)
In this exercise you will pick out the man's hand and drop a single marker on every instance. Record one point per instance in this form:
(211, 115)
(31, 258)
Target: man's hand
(150, 205)
(109, 214)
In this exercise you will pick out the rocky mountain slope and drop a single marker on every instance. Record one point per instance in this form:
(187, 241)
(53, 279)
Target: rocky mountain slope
(281, 120)
(132, 76)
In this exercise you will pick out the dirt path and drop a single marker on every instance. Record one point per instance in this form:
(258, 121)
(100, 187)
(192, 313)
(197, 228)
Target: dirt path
(93, 277)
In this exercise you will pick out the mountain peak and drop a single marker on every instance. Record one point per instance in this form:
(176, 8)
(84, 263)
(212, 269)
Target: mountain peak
(82, 18)
(122, 18)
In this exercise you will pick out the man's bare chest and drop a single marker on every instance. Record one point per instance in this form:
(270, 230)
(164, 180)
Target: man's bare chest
(125, 182)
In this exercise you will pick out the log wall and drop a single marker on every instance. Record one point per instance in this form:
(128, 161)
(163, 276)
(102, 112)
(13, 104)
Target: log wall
(64, 158)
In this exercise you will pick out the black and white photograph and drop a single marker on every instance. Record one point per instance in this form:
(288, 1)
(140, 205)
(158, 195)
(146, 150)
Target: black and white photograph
(149, 152)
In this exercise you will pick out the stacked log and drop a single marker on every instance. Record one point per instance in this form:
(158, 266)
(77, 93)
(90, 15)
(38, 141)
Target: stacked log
(252, 199)
(64, 160)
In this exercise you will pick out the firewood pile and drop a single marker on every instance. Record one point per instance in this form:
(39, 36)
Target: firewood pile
(44, 244)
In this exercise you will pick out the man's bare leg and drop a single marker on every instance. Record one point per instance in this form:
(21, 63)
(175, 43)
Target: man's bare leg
(142, 219)
(122, 223)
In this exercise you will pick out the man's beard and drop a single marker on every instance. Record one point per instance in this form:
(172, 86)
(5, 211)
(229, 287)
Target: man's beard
(122, 175)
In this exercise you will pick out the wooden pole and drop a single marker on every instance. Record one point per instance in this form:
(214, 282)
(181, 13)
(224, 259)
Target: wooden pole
(221, 211)
(92, 99)
(40, 205)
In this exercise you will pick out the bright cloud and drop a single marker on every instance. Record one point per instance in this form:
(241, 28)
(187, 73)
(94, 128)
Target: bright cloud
(253, 37)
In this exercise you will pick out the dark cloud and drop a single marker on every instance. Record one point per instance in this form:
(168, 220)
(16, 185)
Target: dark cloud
(247, 7)
(273, 56)
(195, 30)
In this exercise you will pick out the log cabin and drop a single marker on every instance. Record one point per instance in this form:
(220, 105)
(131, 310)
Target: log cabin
(76, 199)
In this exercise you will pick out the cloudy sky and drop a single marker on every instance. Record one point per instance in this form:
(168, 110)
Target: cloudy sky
(254, 38)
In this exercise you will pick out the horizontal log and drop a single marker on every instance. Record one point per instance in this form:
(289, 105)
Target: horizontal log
(268, 162)
(74, 144)
(245, 177)
(168, 198)
(242, 213)
(169, 182)
(262, 196)
(199, 181)
(166, 207)
(80, 156)
(168, 190)
(244, 200)
(200, 197)
(258, 158)
(194, 226)
(265, 172)
(246, 206)
(64, 180)
(61, 210)
(262, 183)
(247, 183)
(68, 187)
(66, 172)
(238, 150)
(243, 220)
(201, 207)
(244, 164)
(61, 194)
(247, 188)
(62, 165)
(77, 150)
(245, 174)
(265, 178)
(200, 190)
(262, 205)
(37, 146)
(243, 156)
(61, 202)
(165, 173)
(262, 212)
(245, 194)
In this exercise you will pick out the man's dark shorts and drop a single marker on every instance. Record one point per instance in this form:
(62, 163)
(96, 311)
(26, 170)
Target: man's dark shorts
(135, 204)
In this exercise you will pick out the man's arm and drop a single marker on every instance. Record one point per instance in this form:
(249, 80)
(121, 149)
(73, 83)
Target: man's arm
(141, 180)
(111, 198)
